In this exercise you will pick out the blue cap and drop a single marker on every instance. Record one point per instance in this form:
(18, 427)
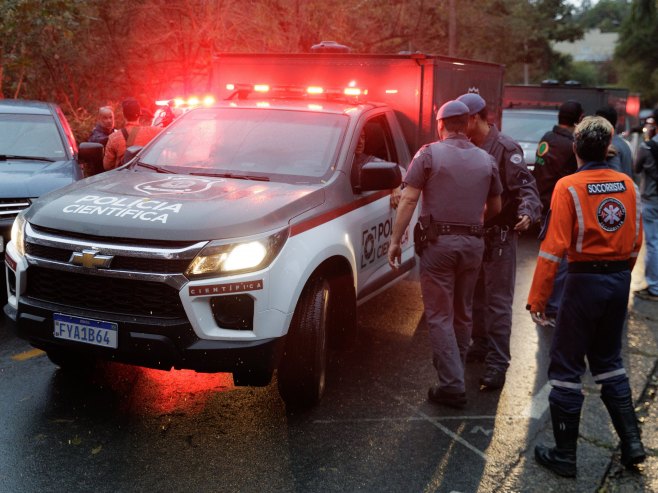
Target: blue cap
(450, 109)
(474, 102)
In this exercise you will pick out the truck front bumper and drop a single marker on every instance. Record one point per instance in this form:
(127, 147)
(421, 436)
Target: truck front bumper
(152, 343)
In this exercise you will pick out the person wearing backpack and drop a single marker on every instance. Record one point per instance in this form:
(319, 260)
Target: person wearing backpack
(646, 165)
(131, 134)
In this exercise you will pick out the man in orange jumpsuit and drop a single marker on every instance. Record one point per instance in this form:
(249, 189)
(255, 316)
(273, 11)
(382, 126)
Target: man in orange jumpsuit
(595, 219)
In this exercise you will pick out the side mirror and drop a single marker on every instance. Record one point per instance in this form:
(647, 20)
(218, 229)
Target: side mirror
(131, 152)
(380, 175)
(90, 156)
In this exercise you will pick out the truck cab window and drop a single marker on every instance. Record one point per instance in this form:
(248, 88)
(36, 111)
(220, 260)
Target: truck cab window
(375, 143)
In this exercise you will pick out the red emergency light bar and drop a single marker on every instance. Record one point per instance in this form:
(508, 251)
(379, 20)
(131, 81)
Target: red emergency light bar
(190, 102)
(243, 90)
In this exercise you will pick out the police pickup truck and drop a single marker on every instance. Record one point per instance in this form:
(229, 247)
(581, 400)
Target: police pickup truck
(241, 239)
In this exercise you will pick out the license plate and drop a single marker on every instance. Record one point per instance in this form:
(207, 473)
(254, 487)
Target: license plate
(85, 330)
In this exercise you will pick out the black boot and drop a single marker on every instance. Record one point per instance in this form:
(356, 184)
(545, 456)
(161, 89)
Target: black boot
(623, 418)
(561, 459)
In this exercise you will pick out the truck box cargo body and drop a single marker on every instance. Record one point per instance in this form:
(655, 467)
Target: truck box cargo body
(415, 86)
(243, 237)
(531, 111)
(591, 98)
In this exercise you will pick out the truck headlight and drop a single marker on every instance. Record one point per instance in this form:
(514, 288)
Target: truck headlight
(234, 258)
(18, 234)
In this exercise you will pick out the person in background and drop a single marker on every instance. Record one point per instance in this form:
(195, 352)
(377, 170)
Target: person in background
(649, 129)
(620, 156)
(460, 189)
(521, 207)
(646, 166)
(555, 159)
(100, 135)
(104, 126)
(131, 134)
(595, 221)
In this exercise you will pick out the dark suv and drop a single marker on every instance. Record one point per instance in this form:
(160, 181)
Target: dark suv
(38, 154)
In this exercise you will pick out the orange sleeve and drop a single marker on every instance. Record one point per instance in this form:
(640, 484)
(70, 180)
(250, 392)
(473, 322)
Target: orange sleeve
(553, 248)
(110, 156)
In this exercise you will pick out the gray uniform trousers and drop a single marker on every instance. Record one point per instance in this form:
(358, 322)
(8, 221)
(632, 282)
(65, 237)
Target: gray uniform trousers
(493, 299)
(448, 272)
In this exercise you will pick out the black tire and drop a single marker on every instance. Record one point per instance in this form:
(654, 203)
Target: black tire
(342, 314)
(70, 361)
(303, 368)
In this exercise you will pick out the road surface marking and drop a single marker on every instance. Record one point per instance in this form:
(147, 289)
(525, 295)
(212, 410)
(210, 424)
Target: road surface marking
(539, 403)
(33, 353)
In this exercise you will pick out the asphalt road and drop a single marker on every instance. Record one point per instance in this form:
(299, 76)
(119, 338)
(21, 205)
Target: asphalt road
(127, 429)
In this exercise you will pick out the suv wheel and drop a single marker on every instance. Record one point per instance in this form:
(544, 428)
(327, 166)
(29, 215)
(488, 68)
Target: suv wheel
(303, 368)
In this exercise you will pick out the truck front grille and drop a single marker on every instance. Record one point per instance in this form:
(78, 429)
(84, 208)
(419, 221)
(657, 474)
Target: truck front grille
(119, 262)
(9, 208)
(120, 296)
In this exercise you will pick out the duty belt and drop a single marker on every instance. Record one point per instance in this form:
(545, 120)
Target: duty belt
(599, 267)
(440, 228)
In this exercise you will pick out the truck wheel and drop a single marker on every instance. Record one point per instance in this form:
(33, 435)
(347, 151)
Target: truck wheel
(342, 314)
(68, 360)
(303, 368)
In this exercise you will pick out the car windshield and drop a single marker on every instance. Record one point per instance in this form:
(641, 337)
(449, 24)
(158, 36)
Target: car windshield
(525, 126)
(280, 145)
(31, 136)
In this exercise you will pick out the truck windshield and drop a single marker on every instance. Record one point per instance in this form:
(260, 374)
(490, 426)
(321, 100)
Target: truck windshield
(32, 137)
(281, 145)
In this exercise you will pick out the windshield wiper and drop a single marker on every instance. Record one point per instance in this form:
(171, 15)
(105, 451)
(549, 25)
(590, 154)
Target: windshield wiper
(233, 175)
(6, 157)
(151, 167)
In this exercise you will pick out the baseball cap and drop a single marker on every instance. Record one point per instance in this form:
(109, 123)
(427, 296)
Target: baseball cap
(131, 109)
(474, 102)
(570, 112)
(450, 109)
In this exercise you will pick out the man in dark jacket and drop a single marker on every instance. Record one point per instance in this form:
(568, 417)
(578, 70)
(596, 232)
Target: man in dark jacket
(494, 292)
(555, 159)
(104, 127)
(100, 135)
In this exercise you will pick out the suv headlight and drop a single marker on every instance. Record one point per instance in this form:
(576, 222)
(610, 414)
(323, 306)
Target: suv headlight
(234, 258)
(18, 234)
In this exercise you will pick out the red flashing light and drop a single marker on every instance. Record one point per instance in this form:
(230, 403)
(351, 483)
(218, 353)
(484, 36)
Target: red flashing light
(315, 90)
(633, 105)
(261, 88)
(352, 91)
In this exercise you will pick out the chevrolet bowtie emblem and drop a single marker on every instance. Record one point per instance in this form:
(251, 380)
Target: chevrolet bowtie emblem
(91, 259)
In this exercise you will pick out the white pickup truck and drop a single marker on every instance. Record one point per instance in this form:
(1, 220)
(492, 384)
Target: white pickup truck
(241, 239)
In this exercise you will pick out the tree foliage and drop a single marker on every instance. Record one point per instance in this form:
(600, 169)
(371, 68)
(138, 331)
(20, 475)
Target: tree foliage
(88, 53)
(636, 54)
(606, 15)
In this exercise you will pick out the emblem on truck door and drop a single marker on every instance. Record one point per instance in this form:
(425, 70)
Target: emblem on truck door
(91, 259)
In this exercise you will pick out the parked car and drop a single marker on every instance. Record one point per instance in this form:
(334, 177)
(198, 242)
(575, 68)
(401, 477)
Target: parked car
(38, 153)
(527, 127)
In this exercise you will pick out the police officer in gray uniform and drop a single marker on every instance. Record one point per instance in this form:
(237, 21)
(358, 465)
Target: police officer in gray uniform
(460, 189)
(521, 207)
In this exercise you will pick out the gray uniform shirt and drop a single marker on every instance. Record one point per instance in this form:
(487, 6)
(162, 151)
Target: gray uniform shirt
(623, 160)
(456, 178)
